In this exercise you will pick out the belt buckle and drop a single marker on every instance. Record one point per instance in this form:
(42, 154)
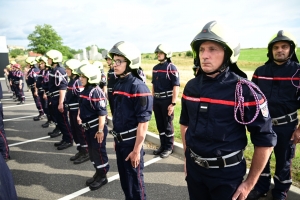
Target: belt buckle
(202, 163)
(114, 134)
(85, 126)
(157, 95)
(274, 122)
(119, 137)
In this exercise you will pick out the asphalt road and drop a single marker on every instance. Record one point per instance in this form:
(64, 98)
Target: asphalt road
(40, 171)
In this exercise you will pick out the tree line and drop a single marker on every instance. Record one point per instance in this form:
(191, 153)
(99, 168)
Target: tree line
(45, 38)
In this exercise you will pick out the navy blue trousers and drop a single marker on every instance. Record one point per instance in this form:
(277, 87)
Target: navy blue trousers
(97, 151)
(284, 152)
(37, 102)
(7, 188)
(164, 122)
(213, 183)
(63, 123)
(44, 103)
(132, 179)
(4, 149)
(19, 92)
(78, 132)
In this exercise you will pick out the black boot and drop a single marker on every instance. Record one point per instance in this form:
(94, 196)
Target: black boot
(65, 145)
(55, 133)
(21, 102)
(56, 144)
(99, 181)
(83, 157)
(91, 180)
(166, 153)
(56, 128)
(158, 151)
(77, 155)
(40, 117)
(47, 124)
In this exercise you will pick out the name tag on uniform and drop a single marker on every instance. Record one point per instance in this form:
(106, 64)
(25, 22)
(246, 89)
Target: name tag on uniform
(264, 109)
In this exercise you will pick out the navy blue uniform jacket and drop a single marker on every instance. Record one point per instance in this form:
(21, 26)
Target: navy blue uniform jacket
(276, 83)
(133, 104)
(164, 78)
(215, 132)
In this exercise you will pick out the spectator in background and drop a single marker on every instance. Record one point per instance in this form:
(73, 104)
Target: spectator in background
(6, 73)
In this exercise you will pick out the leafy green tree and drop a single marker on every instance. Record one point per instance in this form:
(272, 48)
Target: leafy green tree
(189, 54)
(16, 52)
(100, 50)
(13, 54)
(44, 38)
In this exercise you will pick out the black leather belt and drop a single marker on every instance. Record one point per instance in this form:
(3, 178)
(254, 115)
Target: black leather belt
(163, 94)
(54, 94)
(123, 136)
(16, 82)
(72, 106)
(90, 124)
(41, 89)
(219, 162)
(285, 119)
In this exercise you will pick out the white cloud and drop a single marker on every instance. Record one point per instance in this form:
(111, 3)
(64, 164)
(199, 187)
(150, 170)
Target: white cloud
(147, 23)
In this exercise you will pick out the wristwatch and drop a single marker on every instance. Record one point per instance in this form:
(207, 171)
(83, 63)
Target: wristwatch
(100, 131)
(174, 104)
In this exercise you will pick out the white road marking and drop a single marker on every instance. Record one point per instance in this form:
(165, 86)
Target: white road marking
(27, 141)
(110, 179)
(26, 104)
(5, 120)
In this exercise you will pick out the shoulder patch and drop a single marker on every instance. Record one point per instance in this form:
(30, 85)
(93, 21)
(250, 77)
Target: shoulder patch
(264, 109)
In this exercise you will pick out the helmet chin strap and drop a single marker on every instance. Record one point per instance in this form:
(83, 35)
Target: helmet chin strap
(221, 69)
(127, 70)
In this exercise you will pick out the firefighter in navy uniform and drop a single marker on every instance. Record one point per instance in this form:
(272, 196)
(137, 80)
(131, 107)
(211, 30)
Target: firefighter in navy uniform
(32, 78)
(57, 90)
(39, 90)
(133, 103)
(103, 81)
(43, 89)
(111, 81)
(165, 89)
(7, 187)
(72, 104)
(4, 149)
(50, 117)
(216, 106)
(19, 84)
(91, 115)
(279, 81)
(10, 78)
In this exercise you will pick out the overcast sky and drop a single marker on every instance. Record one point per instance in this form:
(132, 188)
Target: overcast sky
(147, 23)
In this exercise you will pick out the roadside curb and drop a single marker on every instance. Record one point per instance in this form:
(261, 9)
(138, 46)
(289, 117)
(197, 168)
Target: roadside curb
(178, 149)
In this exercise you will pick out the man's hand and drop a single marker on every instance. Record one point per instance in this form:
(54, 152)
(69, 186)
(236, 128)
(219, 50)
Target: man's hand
(61, 107)
(296, 136)
(134, 158)
(79, 120)
(242, 192)
(170, 109)
(99, 136)
(35, 94)
(20, 86)
(45, 96)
